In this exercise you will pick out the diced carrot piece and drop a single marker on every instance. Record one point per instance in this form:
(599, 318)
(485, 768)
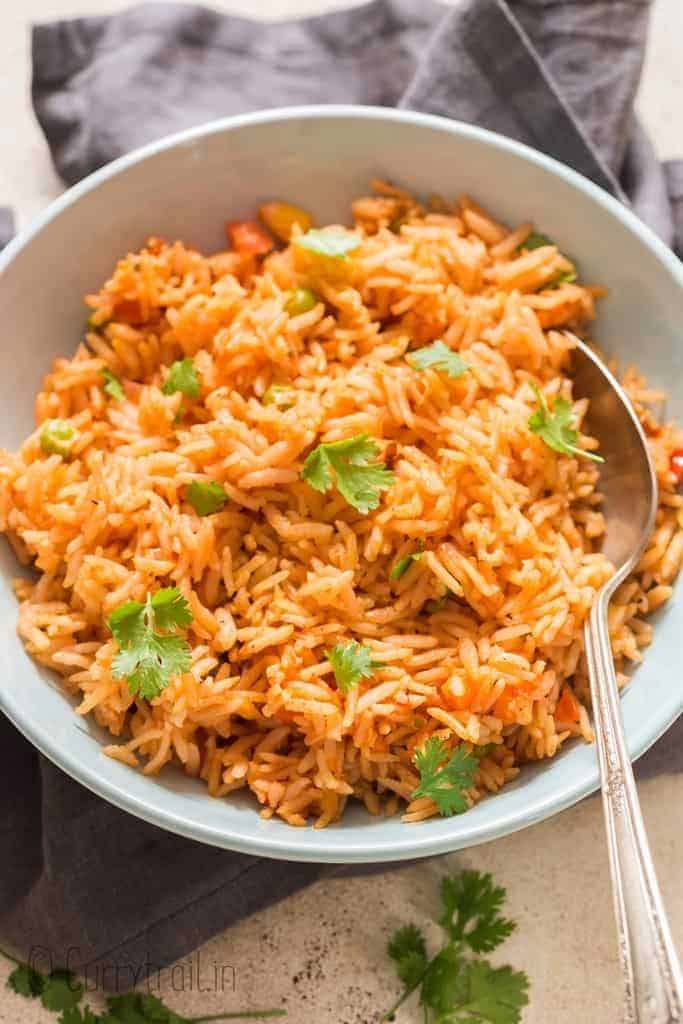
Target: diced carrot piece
(248, 236)
(567, 709)
(280, 218)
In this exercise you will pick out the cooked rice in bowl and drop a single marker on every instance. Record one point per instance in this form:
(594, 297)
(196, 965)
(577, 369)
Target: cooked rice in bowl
(351, 605)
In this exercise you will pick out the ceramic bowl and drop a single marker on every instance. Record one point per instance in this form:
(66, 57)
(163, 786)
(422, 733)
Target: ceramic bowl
(185, 187)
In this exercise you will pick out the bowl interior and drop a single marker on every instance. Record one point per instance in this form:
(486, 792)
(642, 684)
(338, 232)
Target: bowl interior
(320, 158)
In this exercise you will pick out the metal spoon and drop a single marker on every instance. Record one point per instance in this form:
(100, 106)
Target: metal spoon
(652, 973)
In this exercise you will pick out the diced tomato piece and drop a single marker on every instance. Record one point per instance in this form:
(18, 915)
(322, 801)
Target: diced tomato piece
(567, 709)
(249, 237)
(128, 311)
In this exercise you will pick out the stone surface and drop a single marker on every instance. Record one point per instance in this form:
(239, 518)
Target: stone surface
(322, 954)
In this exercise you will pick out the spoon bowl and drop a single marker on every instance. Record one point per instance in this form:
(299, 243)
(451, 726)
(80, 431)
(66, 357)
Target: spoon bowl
(628, 481)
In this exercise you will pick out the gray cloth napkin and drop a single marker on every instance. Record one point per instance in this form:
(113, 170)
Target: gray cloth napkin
(79, 874)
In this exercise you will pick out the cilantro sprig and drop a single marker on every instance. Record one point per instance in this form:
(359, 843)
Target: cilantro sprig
(150, 652)
(556, 427)
(183, 377)
(61, 992)
(350, 663)
(443, 778)
(456, 988)
(439, 356)
(334, 242)
(347, 465)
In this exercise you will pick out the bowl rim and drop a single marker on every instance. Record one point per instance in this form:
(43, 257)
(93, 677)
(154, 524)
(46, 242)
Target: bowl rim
(337, 847)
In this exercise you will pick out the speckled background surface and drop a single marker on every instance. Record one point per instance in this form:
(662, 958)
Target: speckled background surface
(322, 953)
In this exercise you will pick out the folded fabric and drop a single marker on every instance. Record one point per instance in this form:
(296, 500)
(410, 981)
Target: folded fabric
(83, 880)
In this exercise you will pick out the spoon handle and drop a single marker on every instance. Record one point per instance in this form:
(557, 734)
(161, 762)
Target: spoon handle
(652, 972)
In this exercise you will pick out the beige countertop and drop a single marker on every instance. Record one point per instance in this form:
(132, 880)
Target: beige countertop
(322, 953)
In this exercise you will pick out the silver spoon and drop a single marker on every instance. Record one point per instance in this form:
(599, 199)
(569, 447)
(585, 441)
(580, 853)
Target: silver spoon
(652, 973)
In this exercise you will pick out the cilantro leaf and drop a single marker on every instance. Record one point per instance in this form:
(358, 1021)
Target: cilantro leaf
(350, 663)
(182, 376)
(535, 241)
(564, 277)
(435, 605)
(171, 610)
(442, 987)
(445, 783)
(26, 981)
(441, 357)
(408, 951)
(472, 990)
(61, 990)
(139, 1008)
(555, 428)
(206, 498)
(146, 658)
(471, 905)
(112, 384)
(333, 242)
(357, 479)
(403, 564)
(76, 1015)
(493, 994)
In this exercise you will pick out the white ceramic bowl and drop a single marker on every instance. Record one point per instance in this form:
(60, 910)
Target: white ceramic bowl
(185, 187)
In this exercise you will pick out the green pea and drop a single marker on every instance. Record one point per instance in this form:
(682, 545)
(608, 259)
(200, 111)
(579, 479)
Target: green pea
(57, 437)
(301, 300)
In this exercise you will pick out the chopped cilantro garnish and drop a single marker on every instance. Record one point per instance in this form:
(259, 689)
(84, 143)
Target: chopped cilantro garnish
(456, 988)
(57, 437)
(350, 663)
(443, 778)
(436, 604)
(403, 564)
(555, 428)
(333, 242)
(112, 384)
(564, 277)
(206, 498)
(536, 240)
(441, 357)
(358, 480)
(182, 376)
(148, 658)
